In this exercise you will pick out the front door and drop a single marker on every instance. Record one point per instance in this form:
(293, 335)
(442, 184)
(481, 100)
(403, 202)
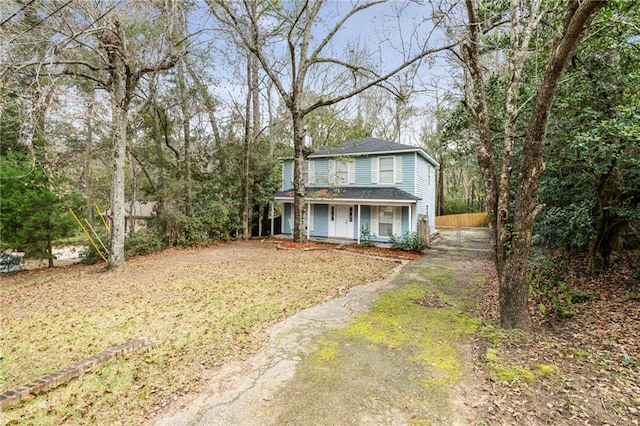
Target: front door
(341, 221)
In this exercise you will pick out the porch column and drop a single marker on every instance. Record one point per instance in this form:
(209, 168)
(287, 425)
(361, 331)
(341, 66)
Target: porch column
(308, 217)
(359, 226)
(410, 220)
(271, 212)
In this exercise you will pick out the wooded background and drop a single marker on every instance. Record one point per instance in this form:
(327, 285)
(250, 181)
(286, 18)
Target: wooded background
(190, 105)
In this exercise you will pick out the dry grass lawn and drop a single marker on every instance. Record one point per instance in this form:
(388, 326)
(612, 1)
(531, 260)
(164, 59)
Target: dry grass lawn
(205, 307)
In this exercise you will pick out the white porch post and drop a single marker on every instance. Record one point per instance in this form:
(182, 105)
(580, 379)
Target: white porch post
(308, 218)
(359, 225)
(410, 220)
(272, 212)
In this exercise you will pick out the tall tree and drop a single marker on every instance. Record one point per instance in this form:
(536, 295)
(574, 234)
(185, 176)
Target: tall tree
(512, 203)
(109, 56)
(307, 55)
(591, 184)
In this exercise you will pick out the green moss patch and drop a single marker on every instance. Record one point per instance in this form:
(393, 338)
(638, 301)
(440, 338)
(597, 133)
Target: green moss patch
(402, 358)
(515, 373)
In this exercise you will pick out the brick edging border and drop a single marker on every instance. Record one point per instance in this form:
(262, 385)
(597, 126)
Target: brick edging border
(50, 381)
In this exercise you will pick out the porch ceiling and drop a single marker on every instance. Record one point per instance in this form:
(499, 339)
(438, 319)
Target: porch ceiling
(353, 194)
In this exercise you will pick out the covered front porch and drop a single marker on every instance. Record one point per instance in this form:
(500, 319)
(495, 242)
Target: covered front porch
(353, 213)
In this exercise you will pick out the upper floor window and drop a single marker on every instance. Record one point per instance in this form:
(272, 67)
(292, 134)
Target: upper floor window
(309, 172)
(341, 172)
(386, 170)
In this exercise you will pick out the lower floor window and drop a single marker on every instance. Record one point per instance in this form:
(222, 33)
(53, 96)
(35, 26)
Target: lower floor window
(385, 221)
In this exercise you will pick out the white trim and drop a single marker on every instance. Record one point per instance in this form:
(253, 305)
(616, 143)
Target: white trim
(311, 216)
(397, 220)
(393, 170)
(418, 151)
(272, 212)
(282, 186)
(351, 201)
(311, 172)
(351, 171)
(332, 171)
(397, 169)
(415, 173)
(373, 221)
(307, 220)
(375, 167)
(359, 224)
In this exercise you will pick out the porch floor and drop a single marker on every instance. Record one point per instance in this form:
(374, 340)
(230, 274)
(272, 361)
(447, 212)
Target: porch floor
(332, 240)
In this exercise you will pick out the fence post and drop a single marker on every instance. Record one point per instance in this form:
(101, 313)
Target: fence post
(423, 229)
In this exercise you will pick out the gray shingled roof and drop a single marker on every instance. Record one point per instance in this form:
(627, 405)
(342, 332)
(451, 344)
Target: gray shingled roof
(369, 146)
(372, 193)
(361, 146)
(140, 209)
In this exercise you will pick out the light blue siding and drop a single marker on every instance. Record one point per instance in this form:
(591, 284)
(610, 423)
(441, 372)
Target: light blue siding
(287, 175)
(321, 220)
(365, 217)
(418, 179)
(363, 171)
(408, 173)
(286, 218)
(322, 171)
(425, 189)
(405, 220)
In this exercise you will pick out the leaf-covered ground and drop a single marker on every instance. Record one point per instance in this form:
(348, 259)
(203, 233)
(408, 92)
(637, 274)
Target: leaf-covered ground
(581, 363)
(204, 307)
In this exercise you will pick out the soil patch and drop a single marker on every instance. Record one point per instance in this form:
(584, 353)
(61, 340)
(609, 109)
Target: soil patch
(577, 369)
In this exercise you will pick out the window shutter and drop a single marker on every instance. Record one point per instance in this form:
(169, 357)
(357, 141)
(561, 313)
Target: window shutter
(374, 171)
(398, 169)
(397, 221)
(312, 216)
(352, 171)
(373, 226)
(312, 171)
(332, 172)
(291, 218)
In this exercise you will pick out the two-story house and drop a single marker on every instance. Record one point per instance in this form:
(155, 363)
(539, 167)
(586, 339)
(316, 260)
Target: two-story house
(370, 185)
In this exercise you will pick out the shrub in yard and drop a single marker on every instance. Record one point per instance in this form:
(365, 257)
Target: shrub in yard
(89, 255)
(10, 262)
(366, 236)
(135, 244)
(409, 241)
(140, 243)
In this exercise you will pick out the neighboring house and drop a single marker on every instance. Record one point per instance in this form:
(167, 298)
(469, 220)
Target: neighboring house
(136, 215)
(365, 185)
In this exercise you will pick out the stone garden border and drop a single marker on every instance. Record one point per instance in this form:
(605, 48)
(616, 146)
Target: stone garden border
(50, 381)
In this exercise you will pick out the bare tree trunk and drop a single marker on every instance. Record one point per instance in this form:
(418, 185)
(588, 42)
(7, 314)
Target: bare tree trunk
(246, 232)
(471, 55)
(86, 166)
(440, 190)
(299, 202)
(186, 133)
(209, 102)
(134, 196)
(511, 239)
(116, 252)
(157, 134)
(50, 254)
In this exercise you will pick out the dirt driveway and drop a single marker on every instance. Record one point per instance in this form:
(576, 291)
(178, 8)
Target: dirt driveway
(393, 352)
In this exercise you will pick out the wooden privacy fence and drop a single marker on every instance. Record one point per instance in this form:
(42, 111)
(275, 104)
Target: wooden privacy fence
(467, 220)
